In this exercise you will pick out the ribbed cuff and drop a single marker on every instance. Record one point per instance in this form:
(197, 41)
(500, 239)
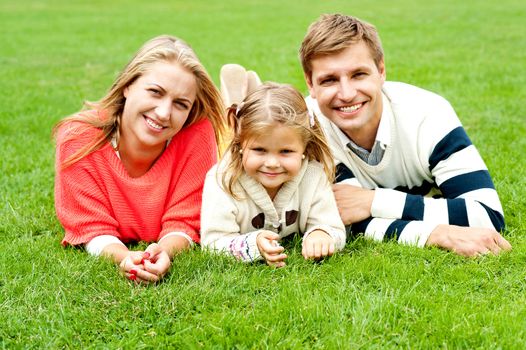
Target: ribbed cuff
(97, 244)
(177, 233)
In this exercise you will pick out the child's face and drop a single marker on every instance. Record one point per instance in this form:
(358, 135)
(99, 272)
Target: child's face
(274, 157)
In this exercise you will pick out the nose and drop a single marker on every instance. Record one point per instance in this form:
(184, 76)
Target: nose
(271, 161)
(164, 109)
(347, 90)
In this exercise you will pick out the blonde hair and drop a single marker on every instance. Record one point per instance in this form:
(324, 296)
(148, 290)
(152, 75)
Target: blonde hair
(208, 103)
(269, 104)
(333, 33)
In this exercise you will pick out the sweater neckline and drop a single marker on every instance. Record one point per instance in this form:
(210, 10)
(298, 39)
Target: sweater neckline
(259, 194)
(151, 174)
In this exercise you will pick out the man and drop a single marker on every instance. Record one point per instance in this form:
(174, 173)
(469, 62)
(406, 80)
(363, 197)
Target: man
(398, 148)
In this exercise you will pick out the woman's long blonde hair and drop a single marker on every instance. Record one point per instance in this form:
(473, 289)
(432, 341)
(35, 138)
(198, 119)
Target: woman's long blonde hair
(269, 104)
(164, 48)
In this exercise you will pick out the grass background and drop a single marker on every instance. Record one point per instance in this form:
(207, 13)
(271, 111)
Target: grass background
(55, 54)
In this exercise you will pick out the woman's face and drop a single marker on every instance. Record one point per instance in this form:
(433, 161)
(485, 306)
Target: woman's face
(156, 107)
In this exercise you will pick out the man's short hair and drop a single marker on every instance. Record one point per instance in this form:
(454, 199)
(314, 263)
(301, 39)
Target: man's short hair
(333, 33)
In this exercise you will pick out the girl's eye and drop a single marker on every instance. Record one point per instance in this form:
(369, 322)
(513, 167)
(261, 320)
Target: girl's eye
(258, 149)
(287, 151)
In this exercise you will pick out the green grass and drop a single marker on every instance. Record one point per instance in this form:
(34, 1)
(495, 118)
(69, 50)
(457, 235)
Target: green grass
(55, 54)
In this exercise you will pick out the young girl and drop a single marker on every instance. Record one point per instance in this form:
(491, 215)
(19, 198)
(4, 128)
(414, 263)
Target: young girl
(273, 182)
(132, 167)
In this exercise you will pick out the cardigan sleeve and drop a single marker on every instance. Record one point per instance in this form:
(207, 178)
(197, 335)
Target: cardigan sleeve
(184, 205)
(80, 204)
(323, 212)
(220, 230)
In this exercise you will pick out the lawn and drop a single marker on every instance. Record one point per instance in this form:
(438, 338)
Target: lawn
(56, 54)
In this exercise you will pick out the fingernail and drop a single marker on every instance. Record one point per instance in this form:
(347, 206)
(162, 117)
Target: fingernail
(146, 255)
(142, 262)
(133, 272)
(132, 277)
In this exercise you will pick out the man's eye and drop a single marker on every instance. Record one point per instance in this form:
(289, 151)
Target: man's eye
(327, 81)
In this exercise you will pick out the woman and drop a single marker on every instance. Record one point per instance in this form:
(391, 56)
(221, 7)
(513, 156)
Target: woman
(131, 167)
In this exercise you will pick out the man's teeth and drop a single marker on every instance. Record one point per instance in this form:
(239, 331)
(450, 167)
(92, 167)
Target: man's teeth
(350, 108)
(153, 124)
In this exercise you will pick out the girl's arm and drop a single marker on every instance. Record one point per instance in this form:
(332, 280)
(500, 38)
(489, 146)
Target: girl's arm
(323, 212)
(220, 230)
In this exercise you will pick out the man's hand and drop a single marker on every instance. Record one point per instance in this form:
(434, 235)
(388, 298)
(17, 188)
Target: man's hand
(354, 203)
(270, 249)
(317, 245)
(468, 241)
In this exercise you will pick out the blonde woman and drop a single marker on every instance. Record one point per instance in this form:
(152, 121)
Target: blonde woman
(131, 166)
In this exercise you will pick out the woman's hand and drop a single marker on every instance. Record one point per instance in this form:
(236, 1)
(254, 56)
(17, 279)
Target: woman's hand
(149, 266)
(156, 261)
(270, 249)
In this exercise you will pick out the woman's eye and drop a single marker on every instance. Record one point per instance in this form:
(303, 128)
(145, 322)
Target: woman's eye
(181, 105)
(154, 92)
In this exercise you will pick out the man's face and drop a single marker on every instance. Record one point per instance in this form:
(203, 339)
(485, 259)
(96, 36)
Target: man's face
(348, 89)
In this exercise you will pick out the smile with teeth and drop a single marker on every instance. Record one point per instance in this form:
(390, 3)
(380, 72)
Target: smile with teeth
(154, 124)
(349, 109)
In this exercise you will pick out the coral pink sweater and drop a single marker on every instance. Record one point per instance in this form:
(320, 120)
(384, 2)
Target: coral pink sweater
(96, 196)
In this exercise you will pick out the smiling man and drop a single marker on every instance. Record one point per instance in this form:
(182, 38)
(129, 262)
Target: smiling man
(406, 169)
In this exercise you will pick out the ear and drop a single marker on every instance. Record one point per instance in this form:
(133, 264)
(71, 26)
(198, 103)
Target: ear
(125, 92)
(308, 80)
(381, 69)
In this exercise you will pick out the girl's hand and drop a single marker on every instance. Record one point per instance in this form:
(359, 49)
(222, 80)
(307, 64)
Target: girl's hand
(156, 261)
(270, 249)
(317, 245)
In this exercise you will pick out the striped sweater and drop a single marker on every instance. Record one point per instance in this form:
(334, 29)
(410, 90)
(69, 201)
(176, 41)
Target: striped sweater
(96, 196)
(430, 173)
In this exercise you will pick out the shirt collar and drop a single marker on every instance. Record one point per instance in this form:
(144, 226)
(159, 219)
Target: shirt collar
(383, 135)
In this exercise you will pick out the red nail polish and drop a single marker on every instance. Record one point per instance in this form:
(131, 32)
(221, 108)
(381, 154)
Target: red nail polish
(132, 277)
(146, 255)
(133, 271)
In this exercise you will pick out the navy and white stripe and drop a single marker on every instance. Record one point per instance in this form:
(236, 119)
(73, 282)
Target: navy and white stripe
(469, 198)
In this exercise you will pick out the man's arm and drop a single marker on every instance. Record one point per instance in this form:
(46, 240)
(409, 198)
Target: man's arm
(464, 221)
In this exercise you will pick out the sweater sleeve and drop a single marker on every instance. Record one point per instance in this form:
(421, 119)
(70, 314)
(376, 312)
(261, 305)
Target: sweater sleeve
(220, 230)
(468, 195)
(323, 212)
(80, 204)
(184, 205)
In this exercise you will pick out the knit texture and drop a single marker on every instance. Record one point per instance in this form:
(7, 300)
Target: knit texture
(96, 196)
(303, 204)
